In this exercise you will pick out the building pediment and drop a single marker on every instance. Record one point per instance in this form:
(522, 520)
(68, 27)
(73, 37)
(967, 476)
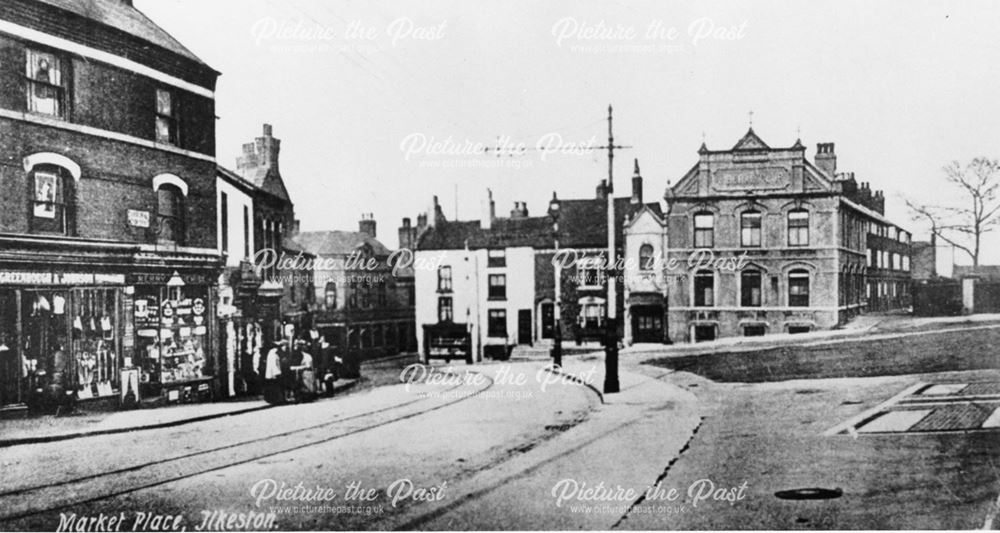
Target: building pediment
(751, 141)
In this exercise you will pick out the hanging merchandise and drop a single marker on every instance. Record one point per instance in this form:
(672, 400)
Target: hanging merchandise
(42, 304)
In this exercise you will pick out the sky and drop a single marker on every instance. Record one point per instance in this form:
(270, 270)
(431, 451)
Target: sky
(382, 105)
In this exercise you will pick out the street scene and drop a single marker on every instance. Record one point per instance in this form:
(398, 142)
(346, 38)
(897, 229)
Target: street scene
(774, 306)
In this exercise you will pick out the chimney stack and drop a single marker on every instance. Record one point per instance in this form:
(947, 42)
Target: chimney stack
(636, 185)
(488, 211)
(262, 153)
(432, 212)
(602, 190)
(407, 235)
(826, 158)
(367, 224)
(520, 210)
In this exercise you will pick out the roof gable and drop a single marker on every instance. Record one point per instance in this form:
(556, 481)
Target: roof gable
(644, 217)
(688, 185)
(751, 141)
(268, 180)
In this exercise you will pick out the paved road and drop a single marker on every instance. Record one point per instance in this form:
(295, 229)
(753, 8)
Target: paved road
(766, 428)
(403, 455)
(492, 450)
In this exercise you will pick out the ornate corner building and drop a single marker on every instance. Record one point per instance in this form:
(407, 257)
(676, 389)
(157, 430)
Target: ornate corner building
(761, 240)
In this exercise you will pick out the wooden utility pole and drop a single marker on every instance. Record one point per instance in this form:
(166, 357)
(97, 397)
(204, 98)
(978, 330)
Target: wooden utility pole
(611, 384)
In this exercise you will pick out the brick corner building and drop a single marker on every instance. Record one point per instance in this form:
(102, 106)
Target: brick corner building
(108, 252)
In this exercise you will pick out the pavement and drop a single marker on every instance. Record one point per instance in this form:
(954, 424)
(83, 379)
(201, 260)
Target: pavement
(82, 423)
(863, 326)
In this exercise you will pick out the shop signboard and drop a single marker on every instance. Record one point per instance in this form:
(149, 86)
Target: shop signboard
(14, 277)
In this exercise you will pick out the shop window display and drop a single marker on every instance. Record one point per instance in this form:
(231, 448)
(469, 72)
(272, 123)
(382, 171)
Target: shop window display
(95, 341)
(171, 334)
(70, 340)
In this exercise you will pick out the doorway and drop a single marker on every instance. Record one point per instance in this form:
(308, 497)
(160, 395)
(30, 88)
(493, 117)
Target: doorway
(647, 323)
(524, 326)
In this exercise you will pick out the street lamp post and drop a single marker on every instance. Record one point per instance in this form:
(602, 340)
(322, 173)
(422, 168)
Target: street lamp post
(556, 264)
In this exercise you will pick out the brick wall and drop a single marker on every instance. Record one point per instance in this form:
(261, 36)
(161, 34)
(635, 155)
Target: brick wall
(116, 177)
(110, 98)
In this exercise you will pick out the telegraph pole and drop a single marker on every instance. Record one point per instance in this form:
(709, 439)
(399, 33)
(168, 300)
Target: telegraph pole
(611, 384)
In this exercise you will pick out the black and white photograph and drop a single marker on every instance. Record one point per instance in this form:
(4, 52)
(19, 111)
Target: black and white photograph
(453, 265)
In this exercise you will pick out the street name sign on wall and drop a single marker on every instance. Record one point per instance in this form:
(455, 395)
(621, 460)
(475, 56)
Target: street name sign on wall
(139, 219)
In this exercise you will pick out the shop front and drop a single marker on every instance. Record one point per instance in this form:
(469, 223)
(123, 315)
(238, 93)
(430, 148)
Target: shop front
(173, 335)
(62, 336)
(70, 336)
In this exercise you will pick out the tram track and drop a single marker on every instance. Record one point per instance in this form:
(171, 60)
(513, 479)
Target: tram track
(16, 504)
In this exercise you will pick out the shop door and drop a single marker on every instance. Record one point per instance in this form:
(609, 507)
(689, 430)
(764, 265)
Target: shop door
(10, 368)
(524, 326)
(548, 321)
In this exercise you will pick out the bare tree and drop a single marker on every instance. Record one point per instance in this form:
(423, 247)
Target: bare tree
(964, 227)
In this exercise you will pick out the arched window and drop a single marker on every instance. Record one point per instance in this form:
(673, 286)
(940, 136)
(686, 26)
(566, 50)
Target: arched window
(798, 227)
(646, 260)
(750, 229)
(52, 199)
(170, 213)
(798, 288)
(704, 288)
(704, 230)
(750, 290)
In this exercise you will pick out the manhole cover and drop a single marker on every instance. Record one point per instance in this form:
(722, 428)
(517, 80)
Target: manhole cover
(812, 493)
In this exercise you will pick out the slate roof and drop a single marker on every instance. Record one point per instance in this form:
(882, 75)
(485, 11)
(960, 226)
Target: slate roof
(323, 243)
(118, 15)
(234, 178)
(582, 224)
(986, 272)
(267, 180)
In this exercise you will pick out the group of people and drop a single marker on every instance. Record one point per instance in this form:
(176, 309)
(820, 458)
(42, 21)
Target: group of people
(289, 369)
